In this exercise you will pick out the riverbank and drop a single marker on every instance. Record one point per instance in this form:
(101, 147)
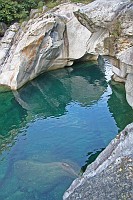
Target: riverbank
(110, 176)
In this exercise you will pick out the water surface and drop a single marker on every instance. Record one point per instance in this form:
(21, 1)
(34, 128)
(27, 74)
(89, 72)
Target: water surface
(54, 126)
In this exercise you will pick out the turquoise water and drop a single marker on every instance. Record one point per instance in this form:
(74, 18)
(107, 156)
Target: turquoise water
(54, 126)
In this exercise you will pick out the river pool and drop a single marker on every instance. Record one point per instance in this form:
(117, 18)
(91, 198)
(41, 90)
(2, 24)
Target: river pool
(56, 125)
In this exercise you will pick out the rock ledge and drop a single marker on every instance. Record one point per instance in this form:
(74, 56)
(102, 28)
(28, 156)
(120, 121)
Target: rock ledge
(110, 176)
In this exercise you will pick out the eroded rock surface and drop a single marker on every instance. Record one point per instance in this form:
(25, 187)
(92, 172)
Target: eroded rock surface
(110, 176)
(56, 38)
(111, 25)
(35, 49)
(41, 44)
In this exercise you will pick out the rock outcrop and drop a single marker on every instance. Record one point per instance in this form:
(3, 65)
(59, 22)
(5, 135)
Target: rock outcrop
(6, 43)
(110, 176)
(56, 38)
(44, 43)
(111, 25)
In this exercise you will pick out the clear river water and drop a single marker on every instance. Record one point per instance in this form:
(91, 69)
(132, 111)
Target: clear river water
(56, 125)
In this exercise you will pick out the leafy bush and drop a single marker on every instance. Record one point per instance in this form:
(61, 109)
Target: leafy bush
(8, 10)
(16, 10)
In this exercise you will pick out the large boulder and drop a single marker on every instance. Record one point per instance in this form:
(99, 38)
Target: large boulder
(110, 175)
(34, 50)
(111, 25)
(66, 33)
(77, 34)
(110, 22)
(42, 44)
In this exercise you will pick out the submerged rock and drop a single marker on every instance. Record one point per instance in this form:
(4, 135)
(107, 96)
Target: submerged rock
(110, 176)
(41, 177)
(16, 196)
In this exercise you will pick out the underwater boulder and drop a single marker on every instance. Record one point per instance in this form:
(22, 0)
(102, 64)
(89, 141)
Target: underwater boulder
(41, 177)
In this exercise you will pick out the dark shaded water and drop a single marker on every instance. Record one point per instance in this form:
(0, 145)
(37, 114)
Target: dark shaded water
(54, 126)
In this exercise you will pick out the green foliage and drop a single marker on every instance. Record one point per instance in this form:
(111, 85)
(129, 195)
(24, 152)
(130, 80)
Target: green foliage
(11, 11)
(51, 4)
(8, 10)
(40, 4)
(28, 4)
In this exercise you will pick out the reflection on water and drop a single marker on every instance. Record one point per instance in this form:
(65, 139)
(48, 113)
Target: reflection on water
(122, 112)
(48, 126)
(12, 116)
(91, 157)
(50, 94)
(9, 107)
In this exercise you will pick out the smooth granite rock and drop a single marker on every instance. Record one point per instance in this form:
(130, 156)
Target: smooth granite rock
(6, 43)
(41, 44)
(69, 32)
(129, 89)
(111, 25)
(35, 50)
(110, 176)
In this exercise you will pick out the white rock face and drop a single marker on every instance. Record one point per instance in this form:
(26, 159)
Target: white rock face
(6, 42)
(111, 24)
(96, 42)
(68, 32)
(129, 89)
(34, 51)
(126, 56)
(100, 13)
(78, 37)
(110, 162)
(77, 34)
(44, 43)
